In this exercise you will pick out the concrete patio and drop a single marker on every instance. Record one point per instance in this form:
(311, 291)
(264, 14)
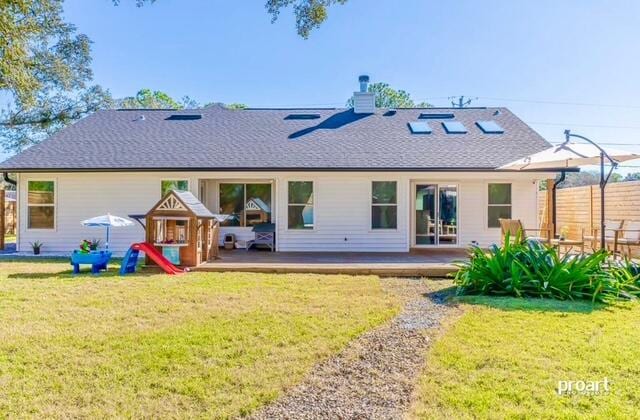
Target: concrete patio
(417, 263)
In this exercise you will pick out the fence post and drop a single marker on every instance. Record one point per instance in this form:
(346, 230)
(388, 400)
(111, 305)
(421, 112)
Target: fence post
(550, 206)
(2, 219)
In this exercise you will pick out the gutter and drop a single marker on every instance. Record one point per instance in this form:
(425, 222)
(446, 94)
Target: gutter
(287, 169)
(5, 177)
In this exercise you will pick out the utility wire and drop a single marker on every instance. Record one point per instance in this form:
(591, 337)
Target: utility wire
(533, 101)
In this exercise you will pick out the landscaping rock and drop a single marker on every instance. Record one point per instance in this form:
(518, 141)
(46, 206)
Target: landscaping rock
(375, 375)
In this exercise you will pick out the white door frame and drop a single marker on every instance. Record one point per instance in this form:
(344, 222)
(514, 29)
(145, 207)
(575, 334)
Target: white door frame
(412, 206)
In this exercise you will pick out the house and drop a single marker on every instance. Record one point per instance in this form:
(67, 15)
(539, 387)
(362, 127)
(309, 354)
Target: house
(359, 179)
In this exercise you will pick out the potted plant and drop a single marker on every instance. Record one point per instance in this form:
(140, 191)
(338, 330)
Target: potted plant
(36, 247)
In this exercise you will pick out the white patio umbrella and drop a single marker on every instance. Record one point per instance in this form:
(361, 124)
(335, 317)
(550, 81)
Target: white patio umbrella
(573, 155)
(107, 221)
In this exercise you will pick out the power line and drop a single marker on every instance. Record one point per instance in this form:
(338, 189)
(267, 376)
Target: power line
(547, 102)
(629, 127)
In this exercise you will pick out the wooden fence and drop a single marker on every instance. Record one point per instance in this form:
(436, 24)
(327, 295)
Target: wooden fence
(579, 207)
(10, 217)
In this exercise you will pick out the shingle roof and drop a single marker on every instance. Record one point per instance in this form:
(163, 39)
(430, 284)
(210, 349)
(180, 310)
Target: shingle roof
(195, 205)
(264, 139)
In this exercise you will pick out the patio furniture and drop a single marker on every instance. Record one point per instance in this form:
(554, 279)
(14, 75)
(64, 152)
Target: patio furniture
(611, 232)
(568, 245)
(265, 234)
(629, 236)
(514, 227)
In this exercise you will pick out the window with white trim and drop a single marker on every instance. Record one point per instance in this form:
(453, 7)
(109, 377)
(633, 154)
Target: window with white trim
(167, 185)
(300, 205)
(499, 204)
(384, 205)
(41, 205)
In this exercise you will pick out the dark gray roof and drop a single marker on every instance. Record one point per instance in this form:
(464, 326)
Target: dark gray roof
(264, 139)
(193, 204)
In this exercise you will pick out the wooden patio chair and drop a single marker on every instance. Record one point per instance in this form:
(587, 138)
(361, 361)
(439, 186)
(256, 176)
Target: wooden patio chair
(611, 233)
(514, 227)
(629, 236)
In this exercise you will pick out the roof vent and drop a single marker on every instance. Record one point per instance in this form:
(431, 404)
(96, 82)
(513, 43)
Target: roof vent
(432, 116)
(490, 127)
(183, 117)
(454, 127)
(302, 117)
(141, 118)
(364, 102)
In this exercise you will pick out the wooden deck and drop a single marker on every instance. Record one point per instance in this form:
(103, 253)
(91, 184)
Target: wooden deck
(418, 263)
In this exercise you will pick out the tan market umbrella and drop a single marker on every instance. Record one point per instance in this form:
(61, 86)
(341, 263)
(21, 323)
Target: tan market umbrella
(573, 155)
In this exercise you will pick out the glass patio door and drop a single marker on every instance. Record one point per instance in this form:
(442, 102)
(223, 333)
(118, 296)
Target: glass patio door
(436, 214)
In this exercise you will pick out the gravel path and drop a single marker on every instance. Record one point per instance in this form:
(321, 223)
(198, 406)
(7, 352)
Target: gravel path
(375, 375)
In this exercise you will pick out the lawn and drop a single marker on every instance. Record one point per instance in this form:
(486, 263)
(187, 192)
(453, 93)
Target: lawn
(504, 357)
(202, 344)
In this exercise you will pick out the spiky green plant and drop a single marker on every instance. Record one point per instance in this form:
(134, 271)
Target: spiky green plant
(531, 269)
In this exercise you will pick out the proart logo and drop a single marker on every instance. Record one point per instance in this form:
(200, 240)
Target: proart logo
(602, 387)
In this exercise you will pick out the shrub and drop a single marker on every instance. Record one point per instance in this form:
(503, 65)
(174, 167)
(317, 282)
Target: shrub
(531, 269)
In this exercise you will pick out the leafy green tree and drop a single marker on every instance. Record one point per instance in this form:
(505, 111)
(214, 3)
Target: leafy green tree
(235, 105)
(635, 176)
(310, 14)
(149, 99)
(44, 72)
(387, 97)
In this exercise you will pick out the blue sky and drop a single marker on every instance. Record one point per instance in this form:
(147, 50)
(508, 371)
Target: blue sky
(526, 53)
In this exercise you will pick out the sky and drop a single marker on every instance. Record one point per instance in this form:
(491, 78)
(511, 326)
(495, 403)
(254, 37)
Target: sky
(557, 64)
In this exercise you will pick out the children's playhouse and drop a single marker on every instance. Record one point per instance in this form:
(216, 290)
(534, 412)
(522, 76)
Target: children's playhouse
(181, 228)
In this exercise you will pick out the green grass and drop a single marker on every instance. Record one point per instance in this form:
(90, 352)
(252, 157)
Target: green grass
(198, 345)
(504, 357)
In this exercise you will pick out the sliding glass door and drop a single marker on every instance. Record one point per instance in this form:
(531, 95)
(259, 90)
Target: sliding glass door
(436, 214)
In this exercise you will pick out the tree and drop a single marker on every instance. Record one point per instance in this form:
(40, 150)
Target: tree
(582, 178)
(44, 70)
(387, 97)
(635, 176)
(310, 14)
(150, 99)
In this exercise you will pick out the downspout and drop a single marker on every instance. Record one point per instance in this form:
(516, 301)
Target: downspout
(5, 177)
(563, 176)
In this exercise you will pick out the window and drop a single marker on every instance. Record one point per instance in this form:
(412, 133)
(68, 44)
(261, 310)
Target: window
(245, 204)
(41, 205)
(499, 203)
(300, 205)
(168, 185)
(384, 205)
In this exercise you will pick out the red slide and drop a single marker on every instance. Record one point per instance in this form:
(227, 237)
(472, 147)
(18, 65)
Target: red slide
(157, 257)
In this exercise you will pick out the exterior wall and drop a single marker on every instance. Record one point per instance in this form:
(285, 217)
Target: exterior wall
(342, 206)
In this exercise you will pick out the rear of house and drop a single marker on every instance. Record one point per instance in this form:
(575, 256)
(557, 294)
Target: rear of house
(359, 179)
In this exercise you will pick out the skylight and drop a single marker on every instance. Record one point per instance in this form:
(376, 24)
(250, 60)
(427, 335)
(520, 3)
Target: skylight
(431, 116)
(490, 127)
(454, 127)
(302, 117)
(419, 127)
(183, 117)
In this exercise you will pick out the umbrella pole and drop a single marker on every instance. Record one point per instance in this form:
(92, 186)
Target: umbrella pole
(603, 183)
(107, 244)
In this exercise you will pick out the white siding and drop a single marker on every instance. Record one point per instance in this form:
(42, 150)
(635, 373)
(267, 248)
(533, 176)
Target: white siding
(342, 207)
(342, 212)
